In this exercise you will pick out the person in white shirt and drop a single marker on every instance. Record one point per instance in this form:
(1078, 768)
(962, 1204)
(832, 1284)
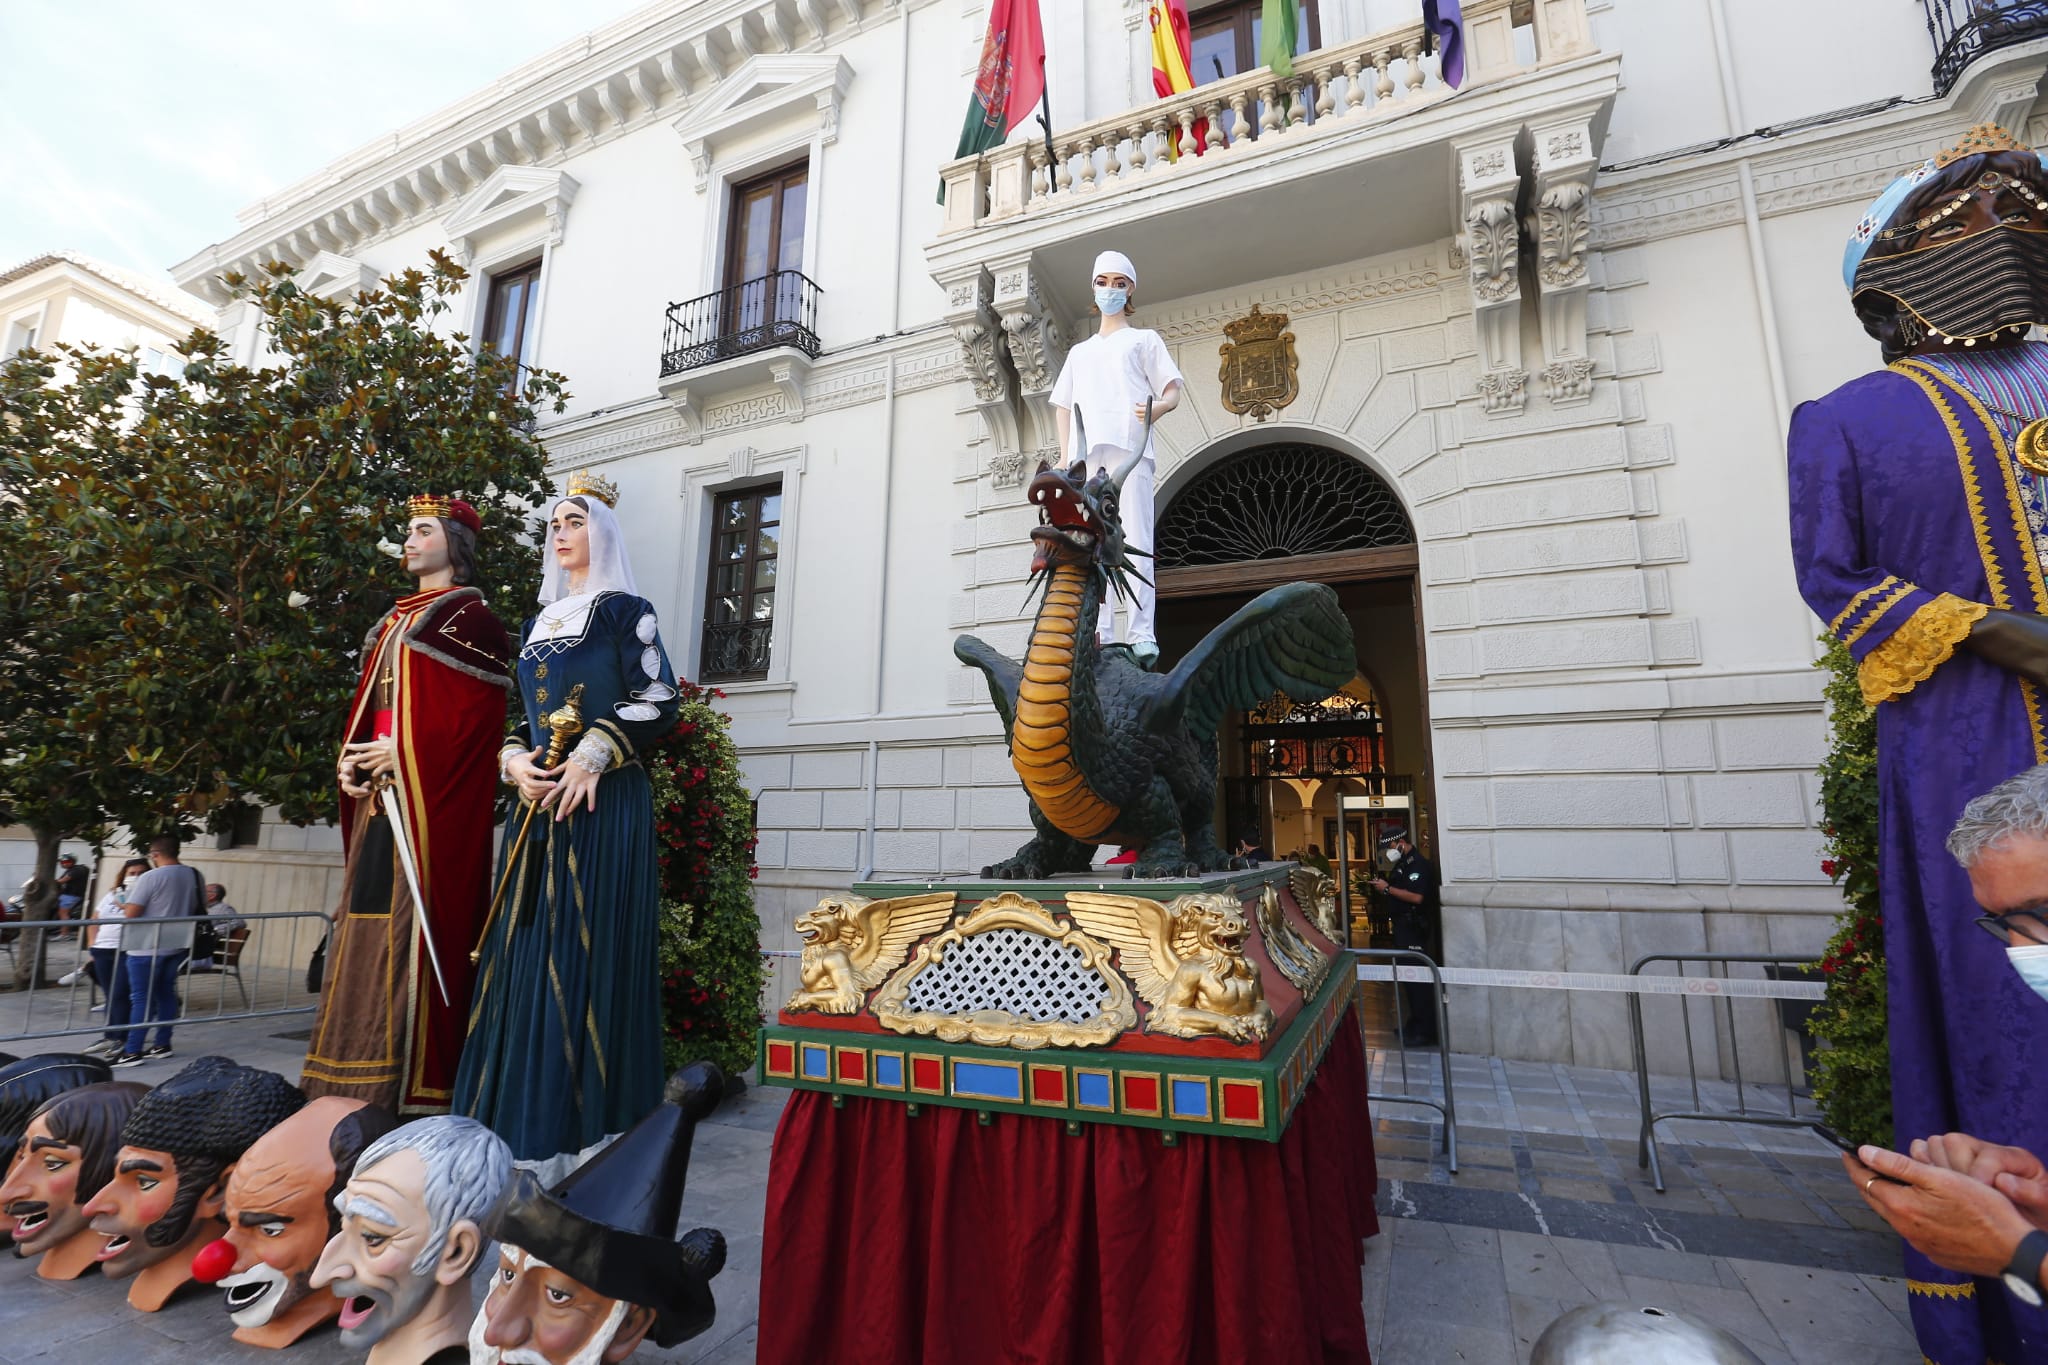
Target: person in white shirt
(106, 945)
(1109, 379)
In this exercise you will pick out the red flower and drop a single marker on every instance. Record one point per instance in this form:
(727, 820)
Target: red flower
(1828, 867)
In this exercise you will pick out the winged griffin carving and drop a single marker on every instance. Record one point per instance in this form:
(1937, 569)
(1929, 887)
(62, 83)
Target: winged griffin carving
(1299, 961)
(1186, 959)
(851, 943)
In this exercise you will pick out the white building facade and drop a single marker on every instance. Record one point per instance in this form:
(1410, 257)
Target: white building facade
(1549, 329)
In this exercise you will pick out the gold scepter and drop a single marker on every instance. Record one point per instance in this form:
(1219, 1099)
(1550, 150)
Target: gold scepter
(564, 723)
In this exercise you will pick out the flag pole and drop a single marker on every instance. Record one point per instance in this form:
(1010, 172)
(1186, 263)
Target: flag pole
(1052, 165)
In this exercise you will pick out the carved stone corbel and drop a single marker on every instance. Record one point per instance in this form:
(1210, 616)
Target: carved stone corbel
(983, 356)
(1562, 228)
(1490, 240)
(1037, 345)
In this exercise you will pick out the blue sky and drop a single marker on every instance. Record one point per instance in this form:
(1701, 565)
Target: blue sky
(134, 131)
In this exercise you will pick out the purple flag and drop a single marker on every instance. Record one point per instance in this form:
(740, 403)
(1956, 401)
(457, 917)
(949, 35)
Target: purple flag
(1445, 24)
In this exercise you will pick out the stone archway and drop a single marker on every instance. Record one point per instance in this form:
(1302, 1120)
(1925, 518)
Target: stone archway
(1290, 509)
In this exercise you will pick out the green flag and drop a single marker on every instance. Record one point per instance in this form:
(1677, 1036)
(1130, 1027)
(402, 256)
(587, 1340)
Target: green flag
(1278, 26)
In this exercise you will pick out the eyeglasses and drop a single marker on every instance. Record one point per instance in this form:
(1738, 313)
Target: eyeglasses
(2028, 925)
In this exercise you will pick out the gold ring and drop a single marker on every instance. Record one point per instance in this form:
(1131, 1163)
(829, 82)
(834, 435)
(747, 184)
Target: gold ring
(1868, 1183)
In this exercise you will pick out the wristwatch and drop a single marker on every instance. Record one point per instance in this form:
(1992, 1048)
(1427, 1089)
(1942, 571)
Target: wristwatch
(2023, 1276)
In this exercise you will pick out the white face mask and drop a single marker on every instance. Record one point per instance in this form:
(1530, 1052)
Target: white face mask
(1393, 854)
(1110, 299)
(2031, 962)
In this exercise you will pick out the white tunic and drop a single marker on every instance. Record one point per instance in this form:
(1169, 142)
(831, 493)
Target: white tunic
(1108, 378)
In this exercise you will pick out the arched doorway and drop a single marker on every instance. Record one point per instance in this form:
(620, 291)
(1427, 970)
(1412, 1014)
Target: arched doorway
(1278, 513)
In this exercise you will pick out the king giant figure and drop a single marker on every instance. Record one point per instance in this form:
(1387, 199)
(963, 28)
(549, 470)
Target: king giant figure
(417, 785)
(1918, 534)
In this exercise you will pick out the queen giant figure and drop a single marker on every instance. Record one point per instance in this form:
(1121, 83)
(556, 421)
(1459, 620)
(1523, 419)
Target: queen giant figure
(565, 1030)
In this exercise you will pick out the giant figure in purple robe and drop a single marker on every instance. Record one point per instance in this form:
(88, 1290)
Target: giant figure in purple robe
(1918, 533)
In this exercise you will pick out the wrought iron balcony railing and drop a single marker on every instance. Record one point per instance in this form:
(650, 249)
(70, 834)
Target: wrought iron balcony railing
(773, 310)
(735, 649)
(1964, 30)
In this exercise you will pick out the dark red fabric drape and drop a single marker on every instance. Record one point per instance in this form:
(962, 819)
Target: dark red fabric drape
(891, 1239)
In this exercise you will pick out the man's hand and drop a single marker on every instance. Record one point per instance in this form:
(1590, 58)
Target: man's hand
(2014, 1172)
(353, 785)
(532, 780)
(1954, 1221)
(577, 785)
(1379, 883)
(379, 756)
(2016, 641)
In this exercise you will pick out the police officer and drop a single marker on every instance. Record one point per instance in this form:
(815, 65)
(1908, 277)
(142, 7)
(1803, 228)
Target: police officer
(1411, 883)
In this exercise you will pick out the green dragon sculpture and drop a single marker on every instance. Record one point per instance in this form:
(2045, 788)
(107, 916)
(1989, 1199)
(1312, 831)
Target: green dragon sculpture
(1108, 752)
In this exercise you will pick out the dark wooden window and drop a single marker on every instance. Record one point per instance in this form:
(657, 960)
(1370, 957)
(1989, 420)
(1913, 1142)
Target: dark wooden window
(764, 251)
(513, 312)
(739, 600)
(1223, 40)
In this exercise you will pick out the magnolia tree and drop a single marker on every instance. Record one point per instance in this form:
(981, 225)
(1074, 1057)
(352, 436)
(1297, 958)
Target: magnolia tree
(203, 554)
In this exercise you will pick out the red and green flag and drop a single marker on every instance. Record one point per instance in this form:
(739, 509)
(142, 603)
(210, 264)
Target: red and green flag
(1012, 77)
(1279, 27)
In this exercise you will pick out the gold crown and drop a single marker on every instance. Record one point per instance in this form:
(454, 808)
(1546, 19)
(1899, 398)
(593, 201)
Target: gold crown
(429, 505)
(1256, 326)
(1980, 140)
(603, 489)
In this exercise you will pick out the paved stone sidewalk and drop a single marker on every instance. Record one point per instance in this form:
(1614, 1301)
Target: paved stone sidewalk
(1758, 1232)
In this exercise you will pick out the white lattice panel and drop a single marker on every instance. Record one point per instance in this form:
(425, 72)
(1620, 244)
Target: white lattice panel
(1027, 974)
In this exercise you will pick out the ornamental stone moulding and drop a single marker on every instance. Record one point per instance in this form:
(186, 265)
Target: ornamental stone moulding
(331, 276)
(797, 92)
(512, 197)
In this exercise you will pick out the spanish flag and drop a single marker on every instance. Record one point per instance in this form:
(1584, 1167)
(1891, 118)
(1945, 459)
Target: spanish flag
(1168, 20)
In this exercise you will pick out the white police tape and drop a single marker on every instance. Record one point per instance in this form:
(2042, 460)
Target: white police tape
(1713, 986)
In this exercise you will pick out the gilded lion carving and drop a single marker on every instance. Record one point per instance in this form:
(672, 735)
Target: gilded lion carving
(1186, 959)
(851, 943)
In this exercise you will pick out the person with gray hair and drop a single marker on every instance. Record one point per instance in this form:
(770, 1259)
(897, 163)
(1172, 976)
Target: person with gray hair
(412, 1219)
(1965, 1203)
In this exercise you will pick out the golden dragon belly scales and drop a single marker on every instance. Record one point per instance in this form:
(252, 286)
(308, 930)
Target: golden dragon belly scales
(1042, 739)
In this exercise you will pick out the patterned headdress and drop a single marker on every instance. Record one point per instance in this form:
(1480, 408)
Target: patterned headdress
(1981, 140)
(447, 508)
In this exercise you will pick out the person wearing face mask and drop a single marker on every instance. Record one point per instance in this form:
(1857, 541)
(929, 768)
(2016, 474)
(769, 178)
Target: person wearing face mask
(1919, 519)
(1968, 1204)
(1109, 379)
(1412, 884)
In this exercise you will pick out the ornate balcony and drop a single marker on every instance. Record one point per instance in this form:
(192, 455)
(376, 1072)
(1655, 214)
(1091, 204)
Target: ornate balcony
(777, 309)
(1964, 30)
(732, 344)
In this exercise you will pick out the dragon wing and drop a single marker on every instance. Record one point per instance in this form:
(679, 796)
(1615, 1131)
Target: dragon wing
(1005, 675)
(1293, 639)
(889, 927)
(1140, 930)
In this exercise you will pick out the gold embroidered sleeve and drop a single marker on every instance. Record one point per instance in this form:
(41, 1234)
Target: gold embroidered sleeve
(1924, 642)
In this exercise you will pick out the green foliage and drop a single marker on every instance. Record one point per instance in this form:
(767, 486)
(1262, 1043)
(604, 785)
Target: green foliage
(209, 550)
(1852, 1075)
(711, 967)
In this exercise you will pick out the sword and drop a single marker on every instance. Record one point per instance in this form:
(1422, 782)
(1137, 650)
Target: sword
(401, 841)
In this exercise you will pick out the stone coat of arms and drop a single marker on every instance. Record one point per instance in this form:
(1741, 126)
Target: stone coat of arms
(1259, 364)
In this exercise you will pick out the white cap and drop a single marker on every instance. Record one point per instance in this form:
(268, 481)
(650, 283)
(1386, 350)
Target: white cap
(1114, 263)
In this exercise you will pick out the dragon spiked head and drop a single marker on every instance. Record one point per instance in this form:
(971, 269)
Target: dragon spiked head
(1079, 520)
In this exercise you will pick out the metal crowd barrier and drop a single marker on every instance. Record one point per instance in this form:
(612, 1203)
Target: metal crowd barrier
(1713, 988)
(1391, 972)
(268, 989)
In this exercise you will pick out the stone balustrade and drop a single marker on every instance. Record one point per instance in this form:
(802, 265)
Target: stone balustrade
(1382, 76)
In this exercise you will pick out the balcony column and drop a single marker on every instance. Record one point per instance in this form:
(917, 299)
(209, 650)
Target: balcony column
(1561, 228)
(985, 361)
(1562, 30)
(1491, 239)
(1037, 343)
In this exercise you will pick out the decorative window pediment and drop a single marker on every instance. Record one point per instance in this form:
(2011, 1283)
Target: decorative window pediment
(513, 195)
(799, 92)
(332, 276)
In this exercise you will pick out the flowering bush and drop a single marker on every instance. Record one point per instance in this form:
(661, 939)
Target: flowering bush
(1852, 1075)
(711, 969)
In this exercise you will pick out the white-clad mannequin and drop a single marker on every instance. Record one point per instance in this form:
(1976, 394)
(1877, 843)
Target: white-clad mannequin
(1110, 377)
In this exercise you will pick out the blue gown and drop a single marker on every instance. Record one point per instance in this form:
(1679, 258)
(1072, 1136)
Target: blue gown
(565, 1030)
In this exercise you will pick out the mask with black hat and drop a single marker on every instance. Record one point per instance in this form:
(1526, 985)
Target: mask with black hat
(591, 1267)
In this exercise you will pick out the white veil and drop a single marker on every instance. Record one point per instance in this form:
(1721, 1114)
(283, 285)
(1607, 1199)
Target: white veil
(609, 569)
